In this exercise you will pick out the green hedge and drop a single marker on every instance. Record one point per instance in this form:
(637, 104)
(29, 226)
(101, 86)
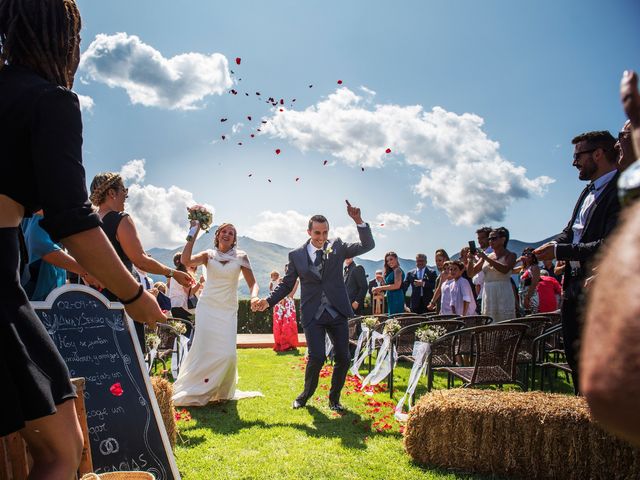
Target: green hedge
(258, 322)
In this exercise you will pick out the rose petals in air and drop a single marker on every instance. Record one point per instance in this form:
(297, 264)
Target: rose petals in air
(282, 101)
(235, 92)
(269, 180)
(281, 110)
(382, 224)
(258, 93)
(251, 174)
(239, 143)
(223, 137)
(264, 121)
(223, 119)
(277, 151)
(238, 60)
(310, 86)
(339, 82)
(325, 162)
(206, 380)
(116, 390)
(249, 117)
(297, 178)
(362, 168)
(388, 150)
(252, 135)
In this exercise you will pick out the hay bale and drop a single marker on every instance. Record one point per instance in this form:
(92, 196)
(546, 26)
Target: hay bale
(164, 391)
(524, 434)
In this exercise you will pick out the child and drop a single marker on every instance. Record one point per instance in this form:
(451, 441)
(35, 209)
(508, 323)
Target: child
(462, 298)
(275, 280)
(445, 295)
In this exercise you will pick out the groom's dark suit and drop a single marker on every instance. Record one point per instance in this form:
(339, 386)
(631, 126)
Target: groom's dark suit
(601, 220)
(325, 307)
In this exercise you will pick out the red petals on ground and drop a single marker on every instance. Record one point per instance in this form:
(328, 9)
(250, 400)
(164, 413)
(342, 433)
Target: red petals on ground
(238, 60)
(182, 415)
(116, 389)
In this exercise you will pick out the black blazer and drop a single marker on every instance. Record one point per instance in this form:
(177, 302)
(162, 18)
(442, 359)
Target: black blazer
(355, 280)
(601, 220)
(426, 291)
(330, 281)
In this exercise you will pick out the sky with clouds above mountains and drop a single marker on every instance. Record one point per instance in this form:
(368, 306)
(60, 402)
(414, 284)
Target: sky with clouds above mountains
(433, 117)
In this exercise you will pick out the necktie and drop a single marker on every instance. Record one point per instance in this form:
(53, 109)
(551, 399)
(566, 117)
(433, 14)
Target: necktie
(318, 261)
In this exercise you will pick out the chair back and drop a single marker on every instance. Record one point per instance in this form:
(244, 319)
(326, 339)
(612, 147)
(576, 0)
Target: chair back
(535, 327)
(442, 349)
(402, 314)
(406, 337)
(463, 344)
(443, 317)
(554, 317)
(496, 348)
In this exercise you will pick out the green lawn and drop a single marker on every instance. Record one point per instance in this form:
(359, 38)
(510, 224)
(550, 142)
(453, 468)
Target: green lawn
(264, 438)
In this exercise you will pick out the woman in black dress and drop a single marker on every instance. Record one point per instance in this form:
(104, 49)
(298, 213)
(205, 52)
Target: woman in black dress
(41, 141)
(108, 193)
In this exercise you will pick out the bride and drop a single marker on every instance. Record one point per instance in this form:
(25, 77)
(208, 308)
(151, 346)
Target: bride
(208, 372)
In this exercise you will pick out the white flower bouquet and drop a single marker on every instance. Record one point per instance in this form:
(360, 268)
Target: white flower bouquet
(391, 327)
(201, 215)
(152, 340)
(429, 333)
(180, 327)
(370, 322)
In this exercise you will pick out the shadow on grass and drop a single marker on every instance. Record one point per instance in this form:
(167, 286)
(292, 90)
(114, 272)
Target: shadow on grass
(289, 353)
(349, 428)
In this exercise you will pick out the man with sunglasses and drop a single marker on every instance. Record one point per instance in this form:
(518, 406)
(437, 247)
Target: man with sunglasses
(594, 217)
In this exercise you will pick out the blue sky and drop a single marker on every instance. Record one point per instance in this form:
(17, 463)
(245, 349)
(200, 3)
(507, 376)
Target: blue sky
(511, 84)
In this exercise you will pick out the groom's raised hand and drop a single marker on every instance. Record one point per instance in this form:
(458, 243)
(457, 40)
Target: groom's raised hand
(354, 212)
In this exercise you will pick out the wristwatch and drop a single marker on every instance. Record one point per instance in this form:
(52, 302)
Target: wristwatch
(170, 274)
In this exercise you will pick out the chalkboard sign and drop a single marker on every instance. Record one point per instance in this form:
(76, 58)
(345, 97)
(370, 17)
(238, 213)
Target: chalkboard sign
(95, 339)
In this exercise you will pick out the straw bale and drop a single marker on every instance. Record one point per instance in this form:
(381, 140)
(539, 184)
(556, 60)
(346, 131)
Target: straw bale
(164, 391)
(524, 434)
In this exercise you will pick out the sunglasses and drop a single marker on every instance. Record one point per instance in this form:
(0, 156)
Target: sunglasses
(491, 239)
(577, 154)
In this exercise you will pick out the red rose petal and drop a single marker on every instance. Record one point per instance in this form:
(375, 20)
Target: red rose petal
(116, 390)
(206, 380)
(239, 143)
(258, 93)
(238, 60)
(249, 117)
(251, 174)
(382, 224)
(223, 119)
(252, 135)
(269, 180)
(277, 151)
(362, 168)
(339, 82)
(297, 178)
(264, 121)
(223, 137)
(282, 101)
(281, 110)
(310, 86)
(325, 162)
(388, 150)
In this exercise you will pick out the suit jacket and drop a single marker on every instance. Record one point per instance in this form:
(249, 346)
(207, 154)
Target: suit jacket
(330, 281)
(601, 220)
(425, 292)
(356, 282)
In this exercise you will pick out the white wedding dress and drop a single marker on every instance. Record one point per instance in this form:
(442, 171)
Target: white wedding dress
(208, 372)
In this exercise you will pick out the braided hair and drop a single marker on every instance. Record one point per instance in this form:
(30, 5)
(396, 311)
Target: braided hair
(42, 35)
(101, 184)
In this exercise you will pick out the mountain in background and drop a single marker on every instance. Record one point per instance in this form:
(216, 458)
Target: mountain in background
(267, 256)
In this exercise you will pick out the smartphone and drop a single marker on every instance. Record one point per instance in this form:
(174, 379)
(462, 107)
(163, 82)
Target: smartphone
(472, 247)
(348, 204)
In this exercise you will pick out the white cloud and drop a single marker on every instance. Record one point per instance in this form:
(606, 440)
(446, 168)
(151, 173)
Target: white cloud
(133, 171)
(419, 207)
(181, 82)
(395, 221)
(463, 172)
(160, 214)
(236, 127)
(86, 103)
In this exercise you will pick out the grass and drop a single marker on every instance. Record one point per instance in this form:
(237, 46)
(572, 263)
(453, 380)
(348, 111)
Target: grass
(264, 438)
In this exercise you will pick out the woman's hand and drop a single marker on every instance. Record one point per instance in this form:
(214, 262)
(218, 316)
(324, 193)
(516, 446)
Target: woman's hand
(183, 278)
(375, 290)
(146, 310)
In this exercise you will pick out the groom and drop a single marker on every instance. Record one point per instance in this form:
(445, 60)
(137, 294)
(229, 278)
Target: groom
(324, 301)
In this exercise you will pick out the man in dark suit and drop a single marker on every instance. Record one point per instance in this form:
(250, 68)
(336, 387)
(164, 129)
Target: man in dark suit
(355, 279)
(594, 217)
(324, 301)
(422, 282)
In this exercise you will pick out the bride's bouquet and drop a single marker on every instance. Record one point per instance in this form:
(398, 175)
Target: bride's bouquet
(201, 215)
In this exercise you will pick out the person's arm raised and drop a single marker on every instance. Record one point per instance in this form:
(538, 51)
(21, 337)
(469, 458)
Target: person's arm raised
(187, 258)
(128, 237)
(91, 248)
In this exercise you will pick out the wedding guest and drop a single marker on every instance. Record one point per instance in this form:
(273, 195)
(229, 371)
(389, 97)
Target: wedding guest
(441, 257)
(624, 147)
(529, 277)
(612, 333)
(377, 303)
(355, 279)
(498, 300)
(446, 286)
(482, 236)
(462, 296)
(41, 138)
(108, 194)
(422, 282)
(159, 291)
(594, 217)
(549, 290)
(393, 278)
(275, 279)
(46, 262)
(285, 325)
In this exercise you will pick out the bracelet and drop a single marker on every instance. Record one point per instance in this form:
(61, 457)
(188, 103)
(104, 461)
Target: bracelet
(134, 298)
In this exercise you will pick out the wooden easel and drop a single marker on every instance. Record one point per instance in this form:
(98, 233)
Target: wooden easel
(15, 460)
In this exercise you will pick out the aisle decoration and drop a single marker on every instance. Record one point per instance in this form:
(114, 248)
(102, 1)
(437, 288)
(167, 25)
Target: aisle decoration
(387, 356)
